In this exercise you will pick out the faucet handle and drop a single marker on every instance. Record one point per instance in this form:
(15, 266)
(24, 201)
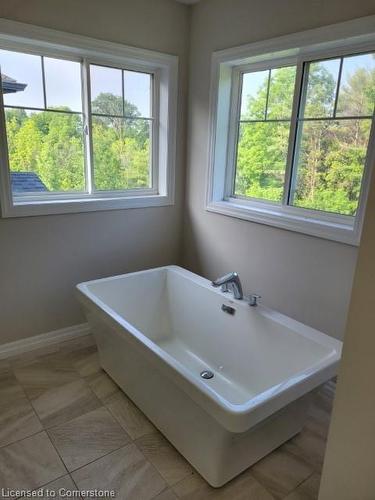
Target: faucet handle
(253, 299)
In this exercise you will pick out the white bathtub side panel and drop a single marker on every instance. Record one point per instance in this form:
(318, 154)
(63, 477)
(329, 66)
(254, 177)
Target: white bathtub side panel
(216, 453)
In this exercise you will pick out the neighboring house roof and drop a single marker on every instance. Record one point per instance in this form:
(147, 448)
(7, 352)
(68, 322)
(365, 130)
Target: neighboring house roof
(26, 182)
(10, 85)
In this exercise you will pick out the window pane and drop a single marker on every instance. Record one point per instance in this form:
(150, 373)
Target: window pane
(106, 90)
(330, 165)
(22, 79)
(357, 88)
(261, 160)
(321, 88)
(254, 95)
(63, 84)
(45, 151)
(137, 92)
(280, 99)
(121, 153)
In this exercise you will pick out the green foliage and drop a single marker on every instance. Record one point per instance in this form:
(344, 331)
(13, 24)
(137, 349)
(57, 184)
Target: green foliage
(261, 159)
(331, 153)
(51, 144)
(121, 155)
(121, 146)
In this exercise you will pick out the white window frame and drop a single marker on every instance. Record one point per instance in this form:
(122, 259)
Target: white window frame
(164, 68)
(351, 37)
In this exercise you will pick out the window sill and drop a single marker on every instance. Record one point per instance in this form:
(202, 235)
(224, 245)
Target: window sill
(25, 208)
(335, 228)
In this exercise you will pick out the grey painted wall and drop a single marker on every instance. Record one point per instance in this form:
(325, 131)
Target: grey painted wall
(307, 278)
(42, 258)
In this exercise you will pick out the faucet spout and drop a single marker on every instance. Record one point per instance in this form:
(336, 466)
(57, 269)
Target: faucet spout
(230, 282)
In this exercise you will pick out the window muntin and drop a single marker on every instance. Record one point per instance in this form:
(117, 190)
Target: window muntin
(315, 160)
(44, 126)
(333, 131)
(122, 128)
(26, 70)
(263, 133)
(49, 137)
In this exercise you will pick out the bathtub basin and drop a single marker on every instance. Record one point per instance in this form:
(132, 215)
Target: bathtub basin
(158, 330)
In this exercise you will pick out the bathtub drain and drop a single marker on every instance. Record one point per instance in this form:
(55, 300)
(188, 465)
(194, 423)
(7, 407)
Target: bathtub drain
(207, 374)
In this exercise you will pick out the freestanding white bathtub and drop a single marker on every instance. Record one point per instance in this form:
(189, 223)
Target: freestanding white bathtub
(157, 330)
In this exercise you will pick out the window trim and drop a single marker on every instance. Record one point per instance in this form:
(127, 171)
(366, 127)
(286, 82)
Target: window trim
(164, 67)
(330, 41)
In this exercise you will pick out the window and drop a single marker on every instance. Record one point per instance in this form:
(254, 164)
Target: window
(263, 133)
(85, 128)
(122, 128)
(293, 142)
(44, 123)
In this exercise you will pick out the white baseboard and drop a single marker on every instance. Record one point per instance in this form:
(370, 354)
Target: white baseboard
(45, 339)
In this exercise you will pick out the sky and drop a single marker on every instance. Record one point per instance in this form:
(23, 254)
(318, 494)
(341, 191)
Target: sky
(63, 82)
(252, 82)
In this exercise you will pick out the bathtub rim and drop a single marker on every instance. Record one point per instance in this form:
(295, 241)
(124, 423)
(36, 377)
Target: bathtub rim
(232, 415)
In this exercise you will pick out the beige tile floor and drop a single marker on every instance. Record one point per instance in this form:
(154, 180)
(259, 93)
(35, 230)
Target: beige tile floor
(65, 424)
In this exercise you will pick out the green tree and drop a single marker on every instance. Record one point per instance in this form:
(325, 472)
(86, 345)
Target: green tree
(262, 147)
(60, 160)
(121, 145)
(50, 143)
(331, 153)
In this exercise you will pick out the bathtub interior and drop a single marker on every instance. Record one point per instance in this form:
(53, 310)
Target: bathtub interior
(249, 352)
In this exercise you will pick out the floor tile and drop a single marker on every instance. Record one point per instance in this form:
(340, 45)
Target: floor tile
(86, 361)
(5, 369)
(17, 420)
(40, 376)
(308, 490)
(172, 466)
(59, 489)
(103, 386)
(10, 389)
(125, 471)
(58, 405)
(166, 495)
(17, 417)
(30, 463)
(34, 355)
(87, 438)
(320, 414)
(129, 416)
(308, 446)
(243, 487)
(280, 472)
(318, 424)
(4, 364)
(67, 389)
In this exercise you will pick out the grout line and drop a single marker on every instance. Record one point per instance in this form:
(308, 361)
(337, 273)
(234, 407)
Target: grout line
(21, 439)
(99, 458)
(75, 484)
(79, 377)
(46, 484)
(41, 423)
(33, 411)
(45, 430)
(299, 484)
(154, 467)
(131, 440)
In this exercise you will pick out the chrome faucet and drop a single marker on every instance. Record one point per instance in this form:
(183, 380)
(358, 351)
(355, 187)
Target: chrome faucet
(230, 283)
